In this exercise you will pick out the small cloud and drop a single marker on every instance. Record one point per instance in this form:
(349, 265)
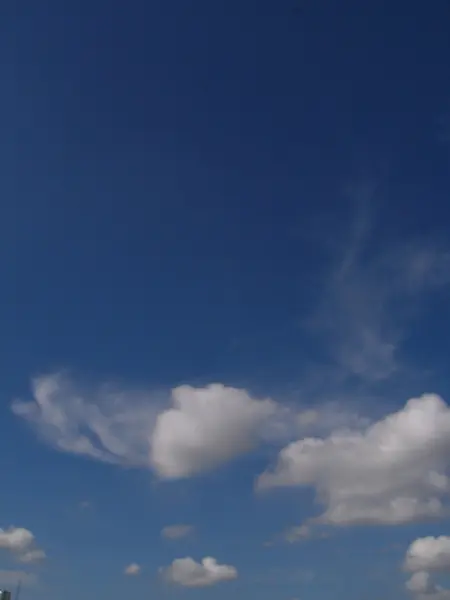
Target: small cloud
(187, 572)
(175, 532)
(132, 569)
(32, 556)
(85, 504)
(297, 533)
(22, 544)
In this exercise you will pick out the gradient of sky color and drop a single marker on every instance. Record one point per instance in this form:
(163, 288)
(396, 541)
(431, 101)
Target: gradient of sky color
(253, 194)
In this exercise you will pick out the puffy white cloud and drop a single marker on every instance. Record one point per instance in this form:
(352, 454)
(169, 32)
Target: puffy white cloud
(21, 542)
(173, 532)
(423, 588)
(425, 555)
(390, 471)
(428, 554)
(133, 569)
(189, 573)
(394, 471)
(206, 428)
(16, 539)
(420, 583)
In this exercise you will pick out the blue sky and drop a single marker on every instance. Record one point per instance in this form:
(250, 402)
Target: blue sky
(247, 194)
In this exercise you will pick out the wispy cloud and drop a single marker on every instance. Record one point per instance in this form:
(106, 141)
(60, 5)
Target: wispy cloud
(195, 431)
(175, 532)
(106, 424)
(374, 288)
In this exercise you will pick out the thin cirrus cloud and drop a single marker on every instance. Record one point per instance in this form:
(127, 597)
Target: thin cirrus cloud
(106, 425)
(187, 572)
(368, 299)
(370, 289)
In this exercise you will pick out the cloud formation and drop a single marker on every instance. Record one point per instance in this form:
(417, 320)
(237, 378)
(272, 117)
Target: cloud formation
(429, 554)
(175, 532)
(107, 425)
(392, 472)
(187, 572)
(22, 544)
(297, 533)
(425, 555)
(420, 583)
(132, 569)
(371, 292)
(203, 429)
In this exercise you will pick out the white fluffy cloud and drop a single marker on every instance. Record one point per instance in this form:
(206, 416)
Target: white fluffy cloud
(420, 583)
(429, 554)
(425, 555)
(22, 544)
(204, 428)
(174, 532)
(189, 573)
(133, 569)
(16, 539)
(392, 472)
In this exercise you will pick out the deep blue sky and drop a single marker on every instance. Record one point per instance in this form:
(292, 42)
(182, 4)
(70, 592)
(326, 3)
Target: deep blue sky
(178, 182)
